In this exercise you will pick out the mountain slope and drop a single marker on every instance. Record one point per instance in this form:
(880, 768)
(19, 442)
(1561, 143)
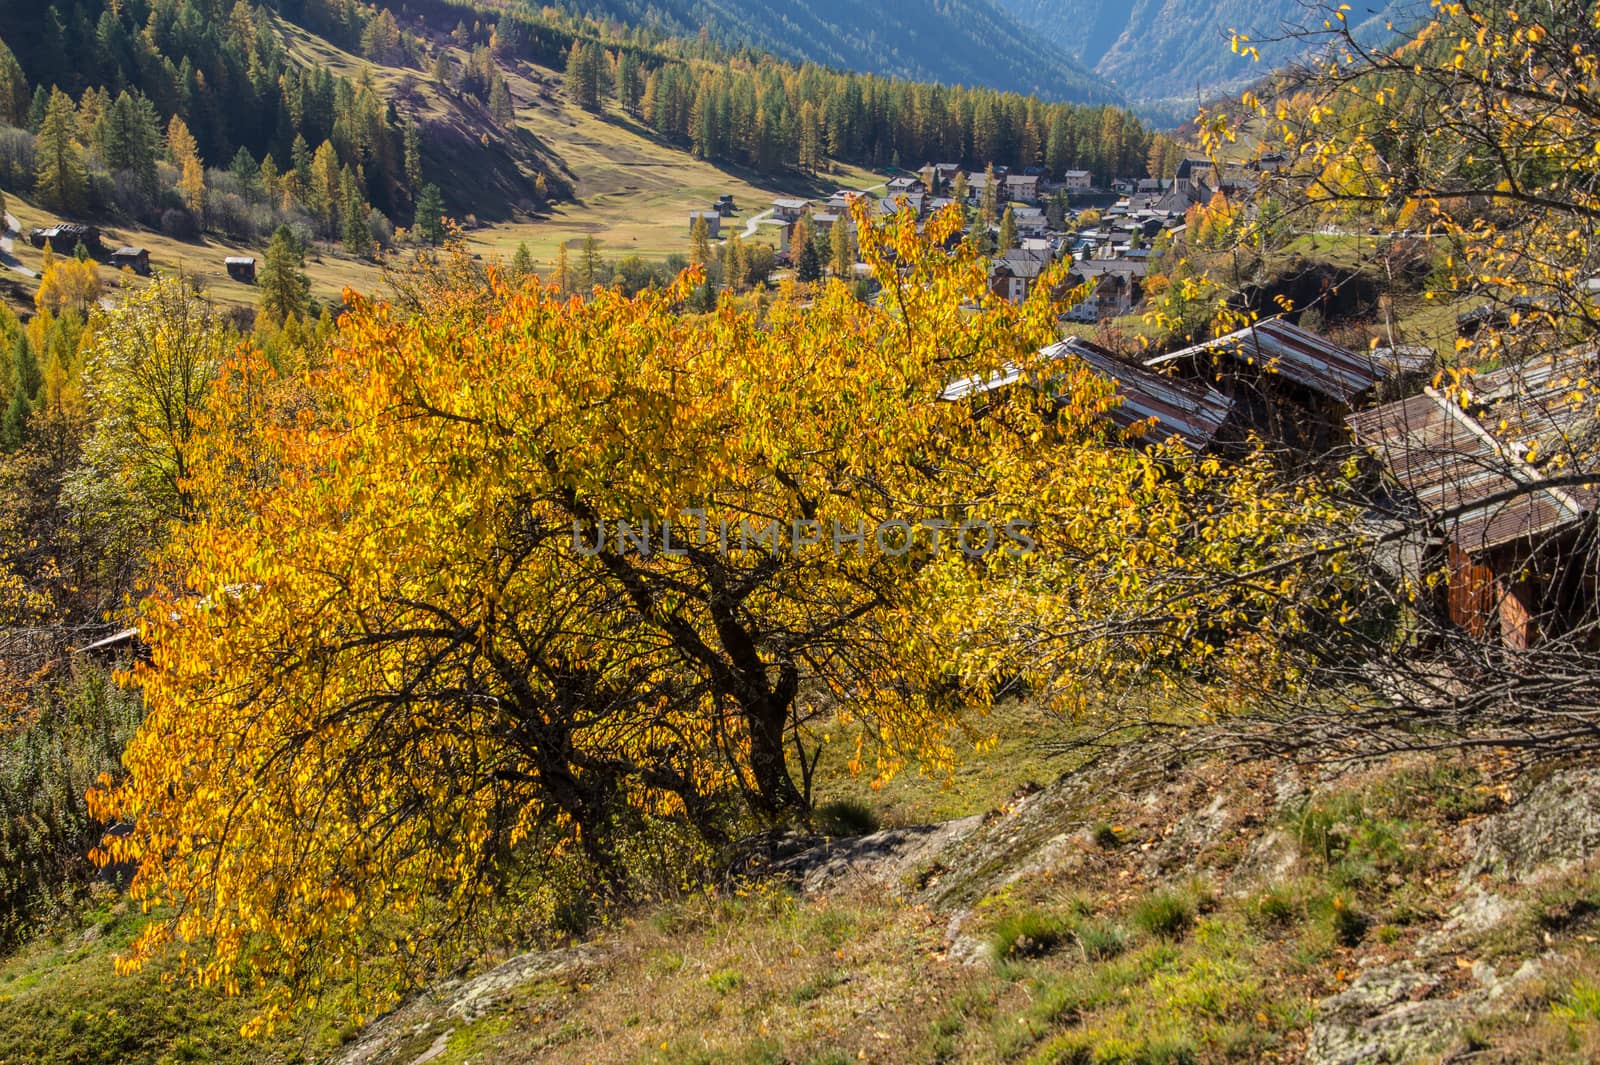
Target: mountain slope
(1158, 51)
(966, 42)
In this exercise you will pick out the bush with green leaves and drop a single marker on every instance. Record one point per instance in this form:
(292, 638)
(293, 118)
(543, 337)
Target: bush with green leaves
(74, 730)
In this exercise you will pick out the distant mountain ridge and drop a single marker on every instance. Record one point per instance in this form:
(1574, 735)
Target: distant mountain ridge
(967, 42)
(1157, 52)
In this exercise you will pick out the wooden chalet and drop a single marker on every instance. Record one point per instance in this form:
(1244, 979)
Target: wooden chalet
(63, 237)
(135, 259)
(1294, 385)
(1499, 469)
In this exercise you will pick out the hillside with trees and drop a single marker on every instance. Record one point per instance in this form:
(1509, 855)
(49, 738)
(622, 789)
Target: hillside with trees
(975, 43)
(1166, 56)
(710, 663)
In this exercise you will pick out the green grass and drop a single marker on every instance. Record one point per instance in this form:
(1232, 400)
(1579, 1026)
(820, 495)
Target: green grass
(62, 1001)
(1002, 755)
(1166, 914)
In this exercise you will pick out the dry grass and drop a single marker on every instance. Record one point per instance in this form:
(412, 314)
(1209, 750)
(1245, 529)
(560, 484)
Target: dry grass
(202, 259)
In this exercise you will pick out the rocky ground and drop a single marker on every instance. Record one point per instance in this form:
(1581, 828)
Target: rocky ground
(1147, 907)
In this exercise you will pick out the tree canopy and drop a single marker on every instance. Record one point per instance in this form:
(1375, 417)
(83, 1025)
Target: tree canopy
(541, 578)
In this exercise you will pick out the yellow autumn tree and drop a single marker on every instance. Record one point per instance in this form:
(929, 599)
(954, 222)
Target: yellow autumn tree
(69, 284)
(538, 578)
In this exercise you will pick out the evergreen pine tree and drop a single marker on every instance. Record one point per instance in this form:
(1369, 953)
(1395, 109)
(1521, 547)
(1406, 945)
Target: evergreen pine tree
(244, 168)
(582, 79)
(522, 261)
(809, 266)
(411, 140)
(501, 106)
(284, 285)
(357, 232)
(38, 108)
(428, 219)
(26, 381)
(734, 264)
(841, 258)
(589, 265)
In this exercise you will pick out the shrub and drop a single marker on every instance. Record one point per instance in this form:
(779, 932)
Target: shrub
(725, 981)
(1029, 934)
(1100, 940)
(1277, 905)
(179, 224)
(1166, 914)
(1349, 923)
(1580, 1003)
(76, 730)
(1107, 836)
(845, 817)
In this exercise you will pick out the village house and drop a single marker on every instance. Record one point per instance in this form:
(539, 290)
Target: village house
(1483, 464)
(1077, 180)
(1013, 273)
(1028, 220)
(712, 219)
(724, 205)
(899, 185)
(1116, 286)
(135, 259)
(789, 209)
(943, 174)
(1022, 188)
(978, 180)
(891, 205)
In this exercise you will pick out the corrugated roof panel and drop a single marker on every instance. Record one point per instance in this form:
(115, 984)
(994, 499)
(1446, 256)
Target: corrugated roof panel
(1193, 413)
(1278, 346)
(1452, 461)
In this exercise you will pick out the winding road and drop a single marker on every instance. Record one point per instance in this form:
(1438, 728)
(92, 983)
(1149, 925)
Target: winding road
(8, 247)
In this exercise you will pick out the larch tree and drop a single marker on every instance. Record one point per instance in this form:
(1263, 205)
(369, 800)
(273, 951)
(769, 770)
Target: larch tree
(284, 285)
(842, 256)
(700, 242)
(562, 277)
(1008, 230)
(61, 175)
(14, 94)
(149, 370)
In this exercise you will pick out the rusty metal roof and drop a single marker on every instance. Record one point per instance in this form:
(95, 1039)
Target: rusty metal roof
(1465, 456)
(1278, 346)
(1193, 413)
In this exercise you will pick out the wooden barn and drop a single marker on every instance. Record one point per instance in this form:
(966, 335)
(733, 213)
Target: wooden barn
(241, 268)
(135, 259)
(64, 238)
(1292, 385)
(1497, 469)
(1162, 406)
